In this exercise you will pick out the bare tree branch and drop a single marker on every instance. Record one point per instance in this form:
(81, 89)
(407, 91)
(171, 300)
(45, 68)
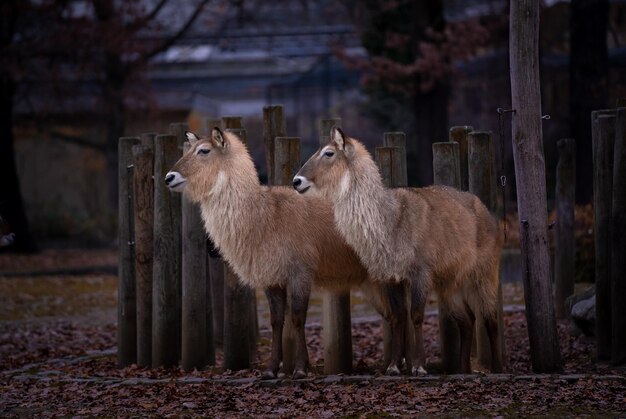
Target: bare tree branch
(143, 21)
(171, 41)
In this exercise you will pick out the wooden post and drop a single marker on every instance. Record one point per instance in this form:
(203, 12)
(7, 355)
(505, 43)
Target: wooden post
(398, 139)
(603, 138)
(208, 314)
(481, 182)
(447, 171)
(234, 124)
(194, 337)
(618, 243)
(147, 138)
(273, 126)
(126, 304)
(285, 166)
(165, 315)
(565, 251)
(459, 134)
(531, 185)
(143, 160)
(391, 163)
(239, 344)
(336, 319)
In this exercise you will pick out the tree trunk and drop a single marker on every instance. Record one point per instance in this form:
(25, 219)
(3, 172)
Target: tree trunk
(11, 204)
(115, 124)
(531, 185)
(589, 69)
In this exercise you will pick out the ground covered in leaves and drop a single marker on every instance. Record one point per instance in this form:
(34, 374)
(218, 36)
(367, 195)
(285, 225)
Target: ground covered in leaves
(57, 358)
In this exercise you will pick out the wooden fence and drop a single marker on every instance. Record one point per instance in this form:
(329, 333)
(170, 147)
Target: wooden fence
(177, 299)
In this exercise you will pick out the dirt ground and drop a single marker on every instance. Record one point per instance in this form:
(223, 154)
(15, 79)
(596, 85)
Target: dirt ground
(57, 358)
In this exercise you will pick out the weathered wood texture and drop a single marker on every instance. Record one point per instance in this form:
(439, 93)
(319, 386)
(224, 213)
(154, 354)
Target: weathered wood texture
(285, 166)
(166, 274)
(391, 161)
(447, 171)
(336, 319)
(398, 139)
(565, 251)
(194, 270)
(143, 160)
(482, 182)
(240, 312)
(603, 140)
(459, 134)
(273, 126)
(618, 243)
(126, 303)
(531, 186)
(216, 277)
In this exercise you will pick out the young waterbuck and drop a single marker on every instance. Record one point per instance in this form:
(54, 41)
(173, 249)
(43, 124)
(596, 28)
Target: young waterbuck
(272, 237)
(436, 238)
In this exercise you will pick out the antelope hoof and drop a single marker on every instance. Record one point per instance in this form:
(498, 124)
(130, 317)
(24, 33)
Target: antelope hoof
(268, 375)
(393, 370)
(299, 374)
(418, 371)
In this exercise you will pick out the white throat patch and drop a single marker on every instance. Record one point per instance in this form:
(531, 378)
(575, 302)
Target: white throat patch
(220, 183)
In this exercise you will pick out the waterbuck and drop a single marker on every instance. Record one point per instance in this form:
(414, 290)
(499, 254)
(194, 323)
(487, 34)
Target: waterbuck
(436, 238)
(272, 237)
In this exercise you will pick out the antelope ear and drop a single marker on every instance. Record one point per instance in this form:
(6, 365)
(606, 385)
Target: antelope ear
(218, 137)
(337, 136)
(191, 137)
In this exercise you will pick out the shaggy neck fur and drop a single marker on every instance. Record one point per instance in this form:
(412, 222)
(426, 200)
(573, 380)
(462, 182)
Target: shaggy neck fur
(232, 208)
(364, 213)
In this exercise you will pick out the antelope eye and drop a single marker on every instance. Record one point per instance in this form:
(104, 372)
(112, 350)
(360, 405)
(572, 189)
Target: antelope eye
(329, 153)
(203, 151)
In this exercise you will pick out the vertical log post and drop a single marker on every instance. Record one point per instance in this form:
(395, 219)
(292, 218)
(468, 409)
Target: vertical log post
(459, 134)
(565, 251)
(530, 179)
(336, 320)
(481, 182)
(194, 265)
(165, 285)
(178, 129)
(234, 124)
(603, 139)
(273, 126)
(398, 139)
(391, 161)
(285, 166)
(143, 160)
(618, 243)
(239, 345)
(126, 304)
(447, 171)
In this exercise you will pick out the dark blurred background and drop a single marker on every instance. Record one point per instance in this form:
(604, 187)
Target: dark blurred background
(78, 74)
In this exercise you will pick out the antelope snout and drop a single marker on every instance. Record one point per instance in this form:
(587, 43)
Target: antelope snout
(175, 181)
(301, 184)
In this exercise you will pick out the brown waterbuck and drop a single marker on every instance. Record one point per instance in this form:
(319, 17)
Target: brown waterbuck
(272, 237)
(436, 238)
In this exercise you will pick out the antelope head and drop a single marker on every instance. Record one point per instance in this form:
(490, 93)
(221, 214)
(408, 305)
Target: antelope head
(203, 167)
(328, 171)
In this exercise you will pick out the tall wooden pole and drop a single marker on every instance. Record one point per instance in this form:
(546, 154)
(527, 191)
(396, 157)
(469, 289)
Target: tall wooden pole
(336, 320)
(285, 166)
(126, 305)
(165, 286)
(273, 126)
(459, 134)
(565, 250)
(531, 184)
(143, 160)
(618, 243)
(194, 267)
(447, 171)
(603, 139)
(481, 182)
